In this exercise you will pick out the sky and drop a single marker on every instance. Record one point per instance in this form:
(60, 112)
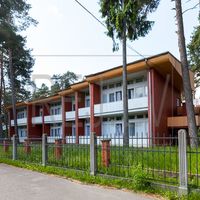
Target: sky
(64, 28)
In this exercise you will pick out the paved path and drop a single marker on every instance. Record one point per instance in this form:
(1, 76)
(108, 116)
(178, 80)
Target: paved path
(20, 184)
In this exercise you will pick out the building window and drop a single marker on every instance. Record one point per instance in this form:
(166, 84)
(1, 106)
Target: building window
(87, 102)
(131, 93)
(119, 96)
(111, 97)
(118, 129)
(104, 87)
(118, 84)
(105, 98)
(139, 92)
(139, 80)
(132, 129)
(111, 86)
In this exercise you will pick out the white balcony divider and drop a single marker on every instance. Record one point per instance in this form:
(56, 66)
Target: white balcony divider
(139, 104)
(84, 112)
(37, 120)
(53, 118)
(70, 116)
(51, 139)
(20, 122)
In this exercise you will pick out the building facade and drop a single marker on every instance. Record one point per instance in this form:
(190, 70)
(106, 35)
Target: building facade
(96, 104)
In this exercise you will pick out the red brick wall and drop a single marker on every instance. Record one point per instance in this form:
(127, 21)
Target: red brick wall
(79, 103)
(95, 98)
(164, 97)
(46, 112)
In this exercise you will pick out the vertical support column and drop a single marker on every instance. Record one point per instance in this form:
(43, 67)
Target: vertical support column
(93, 154)
(58, 149)
(14, 147)
(95, 98)
(45, 127)
(79, 103)
(106, 152)
(29, 122)
(63, 100)
(44, 150)
(182, 146)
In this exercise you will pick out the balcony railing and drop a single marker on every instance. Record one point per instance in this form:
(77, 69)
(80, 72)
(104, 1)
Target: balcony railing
(53, 119)
(20, 122)
(70, 116)
(84, 112)
(134, 105)
(37, 120)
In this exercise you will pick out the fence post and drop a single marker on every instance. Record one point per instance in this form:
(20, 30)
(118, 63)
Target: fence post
(14, 147)
(183, 178)
(44, 149)
(93, 154)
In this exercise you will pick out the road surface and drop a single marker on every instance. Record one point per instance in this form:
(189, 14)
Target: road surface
(21, 184)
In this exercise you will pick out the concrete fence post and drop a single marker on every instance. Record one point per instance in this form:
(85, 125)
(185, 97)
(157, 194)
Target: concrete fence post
(183, 177)
(93, 154)
(14, 147)
(44, 150)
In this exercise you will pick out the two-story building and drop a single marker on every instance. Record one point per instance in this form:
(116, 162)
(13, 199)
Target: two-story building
(96, 104)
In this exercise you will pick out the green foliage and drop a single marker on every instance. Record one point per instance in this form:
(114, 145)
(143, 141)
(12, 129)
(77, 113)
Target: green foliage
(135, 13)
(41, 92)
(194, 54)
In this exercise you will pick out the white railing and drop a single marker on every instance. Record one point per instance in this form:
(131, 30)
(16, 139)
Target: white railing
(51, 139)
(139, 104)
(118, 141)
(53, 118)
(70, 116)
(70, 139)
(21, 122)
(22, 139)
(37, 120)
(84, 112)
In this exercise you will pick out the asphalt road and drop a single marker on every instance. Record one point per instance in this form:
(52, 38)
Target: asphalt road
(21, 184)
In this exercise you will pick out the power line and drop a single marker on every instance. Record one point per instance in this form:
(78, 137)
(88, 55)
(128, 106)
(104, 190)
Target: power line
(85, 55)
(131, 48)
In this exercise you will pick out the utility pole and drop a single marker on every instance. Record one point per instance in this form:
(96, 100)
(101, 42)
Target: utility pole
(125, 97)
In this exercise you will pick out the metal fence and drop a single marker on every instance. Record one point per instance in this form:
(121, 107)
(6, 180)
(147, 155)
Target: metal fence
(166, 160)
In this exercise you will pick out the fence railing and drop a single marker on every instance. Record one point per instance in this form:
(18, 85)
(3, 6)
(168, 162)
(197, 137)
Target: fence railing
(168, 160)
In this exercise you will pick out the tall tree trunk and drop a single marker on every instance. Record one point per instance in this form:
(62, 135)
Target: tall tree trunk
(1, 93)
(186, 78)
(125, 98)
(13, 90)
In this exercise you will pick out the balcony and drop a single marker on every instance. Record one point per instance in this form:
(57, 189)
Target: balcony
(37, 120)
(70, 116)
(180, 121)
(134, 105)
(84, 112)
(53, 119)
(20, 122)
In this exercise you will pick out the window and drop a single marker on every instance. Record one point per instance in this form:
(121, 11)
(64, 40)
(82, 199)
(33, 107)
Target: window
(118, 84)
(73, 106)
(111, 86)
(87, 102)
(118, 129)
(139, 92)
(140, 116)
(105, 98)
(146, 91)
(139, 80)
(40, 112)
(177, 102)
(130, 82)
(87, 130)
(105, 87)
(132, 129)
(111, 97)
(119, 96)
(131, 93)
(118, 118)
